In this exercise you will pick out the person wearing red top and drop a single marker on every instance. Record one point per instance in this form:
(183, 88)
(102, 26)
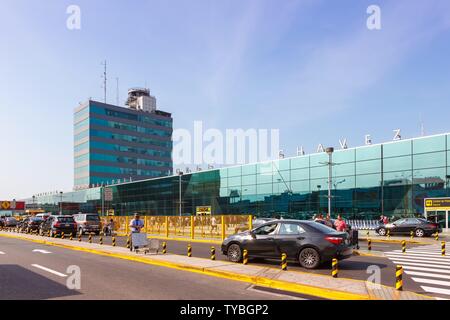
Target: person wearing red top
(340, 224)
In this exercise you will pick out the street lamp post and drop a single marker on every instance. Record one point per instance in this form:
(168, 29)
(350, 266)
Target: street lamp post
(180, 174)
(329, 151)
(60, 203)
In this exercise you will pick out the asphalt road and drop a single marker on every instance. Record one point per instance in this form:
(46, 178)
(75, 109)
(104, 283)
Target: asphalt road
(28, 274)
(355, 267)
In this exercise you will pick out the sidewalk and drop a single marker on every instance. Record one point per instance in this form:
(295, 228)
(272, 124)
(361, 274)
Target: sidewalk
(319, 286)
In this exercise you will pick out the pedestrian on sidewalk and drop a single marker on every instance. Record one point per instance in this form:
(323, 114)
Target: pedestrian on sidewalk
(136, 225)
(340, 224)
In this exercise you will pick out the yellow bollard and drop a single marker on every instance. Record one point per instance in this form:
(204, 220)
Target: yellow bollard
(436, 236)
(245, 257)
(334, 268)
(189, 250)
(164, 247)
(403, 246)
(411, 234)
(284, 261)
(62, 235)
(113, 241)
(443, 248)
(101, 239)
(213, 253)
(79, 237)
(388, 234)
(71, 236)
(369, 245)
(128, 242)
(399, 278)
(90, 238)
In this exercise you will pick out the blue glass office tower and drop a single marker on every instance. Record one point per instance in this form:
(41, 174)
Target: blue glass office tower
(115, 144)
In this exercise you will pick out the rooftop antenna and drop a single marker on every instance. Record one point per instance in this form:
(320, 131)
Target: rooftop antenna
(104, 80)
(117, 91)
(422, 126)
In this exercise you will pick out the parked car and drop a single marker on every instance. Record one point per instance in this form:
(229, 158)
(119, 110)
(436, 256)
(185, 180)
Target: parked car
(43, 216)
(306, 242)
(30, 224)
(57, 225)
(88, 223)
(420, 227)
(10, 222)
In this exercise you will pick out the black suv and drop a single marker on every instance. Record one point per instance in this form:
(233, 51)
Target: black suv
(57, 225)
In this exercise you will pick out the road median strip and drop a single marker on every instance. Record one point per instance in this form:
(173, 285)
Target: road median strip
(213, 269)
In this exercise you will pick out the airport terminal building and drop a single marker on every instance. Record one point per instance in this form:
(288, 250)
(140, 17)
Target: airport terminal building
(392, 178)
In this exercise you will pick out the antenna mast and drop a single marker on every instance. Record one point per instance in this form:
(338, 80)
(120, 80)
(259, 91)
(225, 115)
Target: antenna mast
(104, 80)
(117, 91)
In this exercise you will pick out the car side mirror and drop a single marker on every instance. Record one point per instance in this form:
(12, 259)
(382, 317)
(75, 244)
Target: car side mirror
(252, 234)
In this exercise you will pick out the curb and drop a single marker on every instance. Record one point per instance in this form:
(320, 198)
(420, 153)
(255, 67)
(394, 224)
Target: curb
(366, 254)
(256, 280)
(396, 241)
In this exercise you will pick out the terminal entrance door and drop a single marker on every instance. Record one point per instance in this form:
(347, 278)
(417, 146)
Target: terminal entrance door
(437, 210)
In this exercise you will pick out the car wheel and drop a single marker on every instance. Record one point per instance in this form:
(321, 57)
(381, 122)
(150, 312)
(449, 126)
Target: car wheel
(309, 258)
(382, 231)
(419, 233)
(234, 253)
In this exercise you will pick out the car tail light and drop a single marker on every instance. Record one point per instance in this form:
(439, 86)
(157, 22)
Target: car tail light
(335, 240)
(57, 224)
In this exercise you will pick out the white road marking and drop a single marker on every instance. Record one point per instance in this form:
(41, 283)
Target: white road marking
(415, 256)
(425, 274)
(41, 251)
(405, 259)
(49, 270)
(1, 252)
(420, 252)
(432, 281)
(423, 265)
(436, 290)
(425, 269)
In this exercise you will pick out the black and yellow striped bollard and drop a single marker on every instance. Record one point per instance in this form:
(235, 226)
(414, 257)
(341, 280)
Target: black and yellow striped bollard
(369, 245)
(388, 234)
(334, 268)
(101, 238)
(128, 242)
(62, 235)
(245, 257)
(399, 278)
(284, 261)
(411, 234)
(90, 237)
(164, 247)
(189, 250)
(213, 253)
(403, 246)
(436, 236)
(71, 236)
(443, 248)
(79, 237)
(113, 241)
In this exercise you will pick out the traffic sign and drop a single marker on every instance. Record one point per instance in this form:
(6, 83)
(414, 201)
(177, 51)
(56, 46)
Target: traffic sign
(108, 194)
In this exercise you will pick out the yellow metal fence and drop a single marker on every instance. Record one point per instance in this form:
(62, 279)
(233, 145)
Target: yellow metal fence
(216, 227)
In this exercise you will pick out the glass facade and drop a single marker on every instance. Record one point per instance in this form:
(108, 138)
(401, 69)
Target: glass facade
(113, 144)
(391, 178)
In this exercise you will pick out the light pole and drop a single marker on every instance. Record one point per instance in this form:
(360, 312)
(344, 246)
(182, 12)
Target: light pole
(60, 203)
(180, 174)
(329, 151)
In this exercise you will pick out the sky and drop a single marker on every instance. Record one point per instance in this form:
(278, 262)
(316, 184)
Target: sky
(310, 68)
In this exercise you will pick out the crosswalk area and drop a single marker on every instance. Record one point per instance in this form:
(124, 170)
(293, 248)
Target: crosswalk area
(427, 267)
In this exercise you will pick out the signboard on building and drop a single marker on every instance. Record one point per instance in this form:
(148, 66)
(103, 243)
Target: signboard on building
(437, 204)
(203, 210)
(108, 194)
(12, 205)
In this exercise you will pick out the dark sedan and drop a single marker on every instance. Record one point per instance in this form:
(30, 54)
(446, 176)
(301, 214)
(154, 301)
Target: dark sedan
(420, 227)
(30, 224)
(306, 242)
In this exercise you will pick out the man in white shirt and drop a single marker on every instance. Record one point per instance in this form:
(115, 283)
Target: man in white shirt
(136, 225)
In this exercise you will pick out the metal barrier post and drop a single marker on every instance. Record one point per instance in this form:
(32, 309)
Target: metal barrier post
(128, 241)
(189, 250)
(245, 257)
(213, 253)
(164, 246)
(79, 237)
(334, 268)
(437, 236)
(90, 237)
(222, 221)
(250, 222)
(113, 241)
(283, 261)
(101, 238)
(403, 246)
(411, 234)
(369, 244)
(399, 278)
(192, 227)
(71, 236)
(443, 248)
(62, 235)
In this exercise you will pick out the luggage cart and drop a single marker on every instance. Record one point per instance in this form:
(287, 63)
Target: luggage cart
(140, 243)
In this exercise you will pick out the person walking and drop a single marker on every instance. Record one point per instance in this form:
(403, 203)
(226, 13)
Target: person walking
(136, 225)
(340, 224)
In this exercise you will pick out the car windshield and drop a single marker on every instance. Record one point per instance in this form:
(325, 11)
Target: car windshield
(36, 219)
(322, 228)
(265, 230)
(92, 218)
(66, 219)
